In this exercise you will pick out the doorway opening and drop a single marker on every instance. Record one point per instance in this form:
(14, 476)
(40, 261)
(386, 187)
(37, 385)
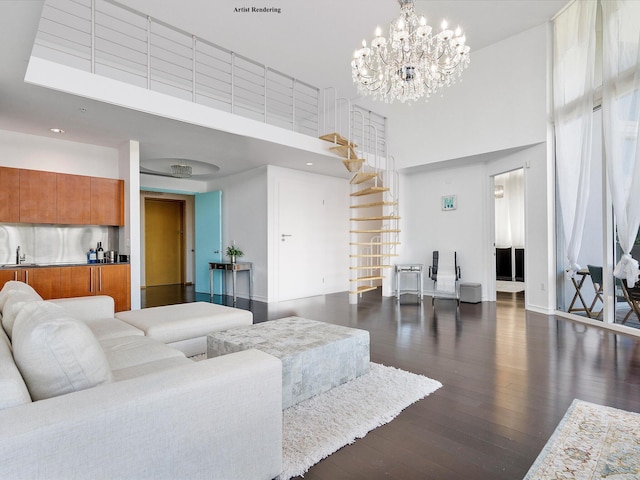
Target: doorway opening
(509, 232)
(164, 241)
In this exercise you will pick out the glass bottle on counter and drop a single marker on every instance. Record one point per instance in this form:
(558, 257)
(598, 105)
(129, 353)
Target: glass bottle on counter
(92, 256)
(100, 253)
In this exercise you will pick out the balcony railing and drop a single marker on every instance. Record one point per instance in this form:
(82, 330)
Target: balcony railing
(108, 39)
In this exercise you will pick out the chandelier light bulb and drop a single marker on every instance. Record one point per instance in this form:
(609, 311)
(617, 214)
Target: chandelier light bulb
(411, 62)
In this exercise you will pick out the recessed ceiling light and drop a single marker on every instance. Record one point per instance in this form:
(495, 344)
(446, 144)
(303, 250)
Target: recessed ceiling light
(56, 130)
(309, 164)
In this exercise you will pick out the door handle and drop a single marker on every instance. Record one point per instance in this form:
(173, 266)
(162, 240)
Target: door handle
(283, 235)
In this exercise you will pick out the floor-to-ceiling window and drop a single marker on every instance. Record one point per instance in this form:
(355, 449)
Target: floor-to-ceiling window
(597, 160)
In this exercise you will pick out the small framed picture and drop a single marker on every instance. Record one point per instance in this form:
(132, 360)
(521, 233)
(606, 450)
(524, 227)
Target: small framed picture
(449, 202)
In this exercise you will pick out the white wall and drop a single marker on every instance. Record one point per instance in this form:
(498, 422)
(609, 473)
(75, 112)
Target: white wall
(500, 104)
(495, 121)
(469, 230)
(19, 150)
(129, 163)
(244, 221)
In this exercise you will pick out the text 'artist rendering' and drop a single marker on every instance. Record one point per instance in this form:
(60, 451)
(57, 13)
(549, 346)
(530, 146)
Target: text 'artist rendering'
(413, 62)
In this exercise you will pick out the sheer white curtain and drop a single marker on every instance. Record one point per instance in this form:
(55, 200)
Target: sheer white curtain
(621, 115)
(573, 78)
(510, 210)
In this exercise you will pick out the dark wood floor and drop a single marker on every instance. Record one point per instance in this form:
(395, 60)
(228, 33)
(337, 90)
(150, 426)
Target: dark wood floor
(508, 377)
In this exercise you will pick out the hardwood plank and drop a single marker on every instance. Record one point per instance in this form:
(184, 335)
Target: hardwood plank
(508, 378)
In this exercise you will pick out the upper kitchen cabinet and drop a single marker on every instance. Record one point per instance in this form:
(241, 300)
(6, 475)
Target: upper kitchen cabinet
(38, 197)
(74, 199)
(107, 201)
(9, 195)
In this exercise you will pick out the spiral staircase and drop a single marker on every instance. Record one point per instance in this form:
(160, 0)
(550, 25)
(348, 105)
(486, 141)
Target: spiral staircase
(374, 220)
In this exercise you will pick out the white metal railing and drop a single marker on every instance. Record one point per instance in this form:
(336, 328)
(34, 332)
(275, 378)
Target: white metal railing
(108, 39)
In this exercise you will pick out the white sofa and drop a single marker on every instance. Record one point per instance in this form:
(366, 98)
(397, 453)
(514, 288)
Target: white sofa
(85, 395)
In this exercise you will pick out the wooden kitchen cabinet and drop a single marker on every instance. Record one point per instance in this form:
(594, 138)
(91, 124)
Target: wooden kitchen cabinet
(98, 279)
(45, 281)
(115, 281)
(8, 275)
(9, 195)
(73, 195)
(37, 197)
(107, 201)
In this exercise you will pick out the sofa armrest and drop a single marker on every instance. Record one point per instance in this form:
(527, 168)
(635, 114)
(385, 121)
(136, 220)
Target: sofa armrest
(88, 308)
(218, 418)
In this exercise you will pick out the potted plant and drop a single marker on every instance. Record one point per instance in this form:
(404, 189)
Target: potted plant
(233, 252)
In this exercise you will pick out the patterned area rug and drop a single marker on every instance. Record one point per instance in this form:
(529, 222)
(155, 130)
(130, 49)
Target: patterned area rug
(591, 442)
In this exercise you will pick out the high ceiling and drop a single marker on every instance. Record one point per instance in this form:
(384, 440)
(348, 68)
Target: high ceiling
(312, 41)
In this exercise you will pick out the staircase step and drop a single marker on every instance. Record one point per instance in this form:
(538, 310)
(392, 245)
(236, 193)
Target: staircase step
(369, 191)
(363, 289)
(337, 139)
(366, 244)
(379, 230)
(353, 164)
(373, 255)
(381, 217)
(362, 177)
(367, 278)
(370, 267)
(345, 151)
(373, 204)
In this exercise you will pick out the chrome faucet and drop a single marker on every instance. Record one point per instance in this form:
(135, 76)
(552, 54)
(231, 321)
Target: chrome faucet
(20, 258)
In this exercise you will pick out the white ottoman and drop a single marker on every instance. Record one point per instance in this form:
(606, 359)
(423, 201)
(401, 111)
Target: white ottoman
(185, 326)
(470, 292)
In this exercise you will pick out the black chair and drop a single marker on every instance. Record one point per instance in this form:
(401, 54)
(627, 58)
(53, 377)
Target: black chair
(596, 278)
(433, 274)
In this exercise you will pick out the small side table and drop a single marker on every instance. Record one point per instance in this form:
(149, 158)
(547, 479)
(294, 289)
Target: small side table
(233, 268)
(415, 269)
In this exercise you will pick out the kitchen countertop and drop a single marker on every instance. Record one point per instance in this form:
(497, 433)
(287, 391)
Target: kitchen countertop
(9, 266)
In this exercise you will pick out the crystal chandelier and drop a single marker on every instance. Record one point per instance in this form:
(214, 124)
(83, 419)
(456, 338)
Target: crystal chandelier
(413, 62)
(181, 171)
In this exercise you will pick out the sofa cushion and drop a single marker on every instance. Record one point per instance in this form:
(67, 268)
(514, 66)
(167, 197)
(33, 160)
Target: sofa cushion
(173, 323)
(56, 353)
(125, 352)
(13, 303)
(106, 328)
(149, 367)
(14, 391)
(14, 285)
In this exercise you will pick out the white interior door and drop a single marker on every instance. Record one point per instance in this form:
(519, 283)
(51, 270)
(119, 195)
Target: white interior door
(301, 238)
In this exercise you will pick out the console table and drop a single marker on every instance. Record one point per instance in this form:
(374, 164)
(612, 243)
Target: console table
(415, 269)
(233, 268)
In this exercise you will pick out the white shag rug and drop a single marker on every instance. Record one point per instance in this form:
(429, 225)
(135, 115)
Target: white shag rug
(315, 428)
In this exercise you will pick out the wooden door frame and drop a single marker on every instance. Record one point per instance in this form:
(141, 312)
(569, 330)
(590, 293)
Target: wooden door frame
(183, 225)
